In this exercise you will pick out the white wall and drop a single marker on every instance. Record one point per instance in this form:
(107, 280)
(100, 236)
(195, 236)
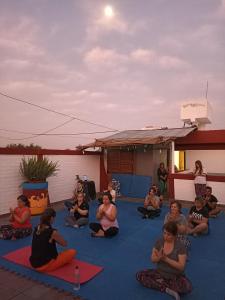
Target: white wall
(10, 181)
(213, 160)
(184, 190)
(60, 186)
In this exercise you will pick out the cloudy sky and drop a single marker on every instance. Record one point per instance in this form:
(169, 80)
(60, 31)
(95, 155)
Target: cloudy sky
(124, 70)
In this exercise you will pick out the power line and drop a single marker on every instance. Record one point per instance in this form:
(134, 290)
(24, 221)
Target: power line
(54, 111)
(57, 134)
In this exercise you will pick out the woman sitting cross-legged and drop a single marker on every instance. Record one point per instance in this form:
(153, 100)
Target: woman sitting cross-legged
(20, 225)
(170, 256)
(44, 255)
(79, 213)
(151, 207)
(106, 214)
(176, 216)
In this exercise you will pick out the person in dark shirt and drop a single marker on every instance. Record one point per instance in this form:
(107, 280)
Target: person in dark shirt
(44, 255)
(78, 189)
(170, 256)
(198, 218)
(162, 177)
(79, 213)
(211, 203)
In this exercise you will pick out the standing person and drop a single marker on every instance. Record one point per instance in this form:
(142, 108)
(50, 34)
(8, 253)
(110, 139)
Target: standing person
(198, 218)
(200, 179)
(44, 255)
(162, 177)
(106, 214)
(151, 207)
(170, 256)
(79, 213)
(211, 203)
(20, 225)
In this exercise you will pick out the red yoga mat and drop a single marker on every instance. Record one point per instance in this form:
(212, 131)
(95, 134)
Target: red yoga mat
(87, 271)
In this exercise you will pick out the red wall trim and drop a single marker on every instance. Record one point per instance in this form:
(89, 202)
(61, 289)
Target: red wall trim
(200, 147)
(171, 187)
(11, 151)
(203, 137)
(216, 178)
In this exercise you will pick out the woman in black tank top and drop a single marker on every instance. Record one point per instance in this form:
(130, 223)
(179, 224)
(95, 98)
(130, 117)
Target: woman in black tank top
(44, 256)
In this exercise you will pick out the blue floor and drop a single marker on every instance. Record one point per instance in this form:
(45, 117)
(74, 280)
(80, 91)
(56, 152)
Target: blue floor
(129, 252)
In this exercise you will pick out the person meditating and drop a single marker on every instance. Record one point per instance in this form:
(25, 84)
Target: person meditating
(111, 191)
(44, 255)
(211, 203)
(106, 214)
(176, 216)
(79, 213)
(20, 225)
(78, 189)
(170, 256)
(198, 218)
(151, 207)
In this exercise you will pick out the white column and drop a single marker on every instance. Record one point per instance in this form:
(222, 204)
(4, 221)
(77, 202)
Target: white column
(172, 156)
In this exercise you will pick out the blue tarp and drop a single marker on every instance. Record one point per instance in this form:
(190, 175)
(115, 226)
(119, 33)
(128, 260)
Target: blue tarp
(134, 186)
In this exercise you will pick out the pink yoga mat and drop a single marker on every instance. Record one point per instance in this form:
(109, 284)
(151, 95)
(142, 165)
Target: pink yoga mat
(87, 271)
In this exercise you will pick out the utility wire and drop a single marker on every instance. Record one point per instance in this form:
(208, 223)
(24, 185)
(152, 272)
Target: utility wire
(59, 134)
(54, 111)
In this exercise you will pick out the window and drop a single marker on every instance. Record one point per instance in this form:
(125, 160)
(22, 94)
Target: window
(180, 160)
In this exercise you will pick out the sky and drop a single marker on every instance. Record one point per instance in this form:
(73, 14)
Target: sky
(127, 70)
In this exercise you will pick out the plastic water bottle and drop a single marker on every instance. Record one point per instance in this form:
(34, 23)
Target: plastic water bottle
(76, 286)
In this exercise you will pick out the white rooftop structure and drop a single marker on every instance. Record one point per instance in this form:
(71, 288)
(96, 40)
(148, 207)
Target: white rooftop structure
(196, 112)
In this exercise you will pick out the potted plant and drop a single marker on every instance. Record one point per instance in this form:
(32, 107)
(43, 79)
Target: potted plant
(36, 171)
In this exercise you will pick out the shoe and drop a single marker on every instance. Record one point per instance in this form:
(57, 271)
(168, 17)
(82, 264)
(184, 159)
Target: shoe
(145, 217)
(67, 224)
(76, 226)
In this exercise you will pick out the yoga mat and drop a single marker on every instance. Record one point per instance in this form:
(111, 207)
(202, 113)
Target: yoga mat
(87, 271)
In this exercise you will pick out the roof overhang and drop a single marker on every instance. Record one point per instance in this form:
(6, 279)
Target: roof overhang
(140, 137)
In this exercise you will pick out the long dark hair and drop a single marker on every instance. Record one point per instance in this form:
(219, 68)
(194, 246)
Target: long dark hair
(24, 199)
(45, 219)
(200, 166)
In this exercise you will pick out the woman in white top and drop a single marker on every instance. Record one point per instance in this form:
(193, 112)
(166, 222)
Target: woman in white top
(200, 179)
(106, 214)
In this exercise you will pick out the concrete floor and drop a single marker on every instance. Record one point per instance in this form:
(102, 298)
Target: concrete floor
(15, 287)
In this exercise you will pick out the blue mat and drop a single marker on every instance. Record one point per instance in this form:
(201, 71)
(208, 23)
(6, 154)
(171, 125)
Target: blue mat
(133, 186)
(128, 253)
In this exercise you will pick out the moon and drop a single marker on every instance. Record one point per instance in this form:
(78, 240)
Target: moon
(108, 11)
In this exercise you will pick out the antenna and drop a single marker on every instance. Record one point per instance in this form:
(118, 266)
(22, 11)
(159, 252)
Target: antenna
(207, 87)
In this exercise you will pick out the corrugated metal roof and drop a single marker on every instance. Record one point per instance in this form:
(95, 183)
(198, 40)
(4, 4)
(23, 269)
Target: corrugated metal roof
(135, 137)
(150, 133)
